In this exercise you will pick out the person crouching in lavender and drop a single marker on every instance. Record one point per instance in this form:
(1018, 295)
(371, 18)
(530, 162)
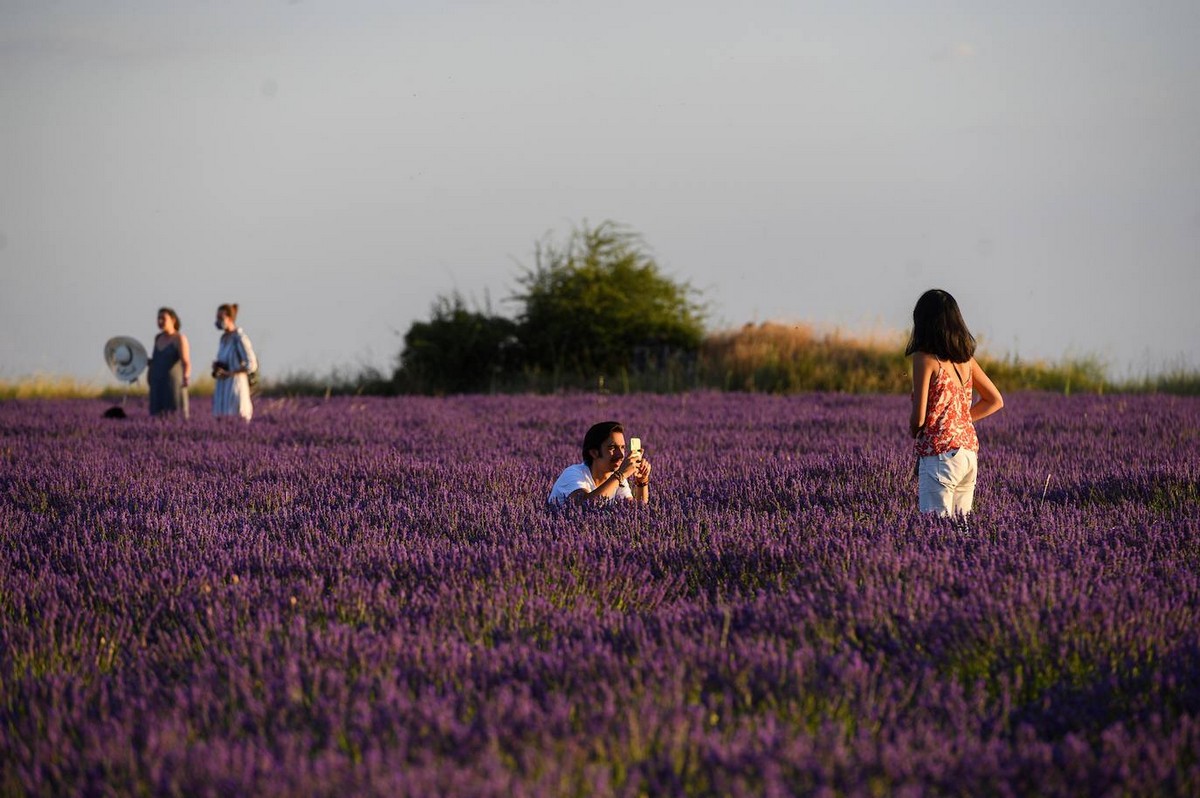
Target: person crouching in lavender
(609, 470)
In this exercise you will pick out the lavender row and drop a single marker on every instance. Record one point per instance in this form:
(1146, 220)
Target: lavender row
(369, 596)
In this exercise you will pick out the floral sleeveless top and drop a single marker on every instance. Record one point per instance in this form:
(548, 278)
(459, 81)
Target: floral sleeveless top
(947, 416)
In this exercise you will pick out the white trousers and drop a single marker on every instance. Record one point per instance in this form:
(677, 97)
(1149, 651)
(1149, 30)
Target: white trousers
(947, 482)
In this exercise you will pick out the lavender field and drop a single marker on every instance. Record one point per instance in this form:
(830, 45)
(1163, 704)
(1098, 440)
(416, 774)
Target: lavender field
(368, 597)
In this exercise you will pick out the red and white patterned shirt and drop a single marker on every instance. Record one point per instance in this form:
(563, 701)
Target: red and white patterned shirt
(947, 416)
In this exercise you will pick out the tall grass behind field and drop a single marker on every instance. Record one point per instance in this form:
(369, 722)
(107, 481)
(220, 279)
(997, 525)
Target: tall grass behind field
(787, 358)
(1082, 375)
(45, 386)
(48, 386)
(790, 358)
(1178, 380)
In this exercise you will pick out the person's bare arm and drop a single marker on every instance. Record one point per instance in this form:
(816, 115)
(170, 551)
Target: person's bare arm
(641, 482)
(922, 370)
(990, 399)
(609, 487)
(605, 490)
(185, 357)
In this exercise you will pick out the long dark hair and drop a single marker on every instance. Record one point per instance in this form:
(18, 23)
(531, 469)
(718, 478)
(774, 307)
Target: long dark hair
(939, 329)
(597, 435)
(229, 309)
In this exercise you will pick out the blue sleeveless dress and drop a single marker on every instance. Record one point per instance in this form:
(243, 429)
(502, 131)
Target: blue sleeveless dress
(167, 394)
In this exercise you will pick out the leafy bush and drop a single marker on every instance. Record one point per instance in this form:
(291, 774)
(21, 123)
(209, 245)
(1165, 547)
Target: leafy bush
(599, 302)
(595, 305)
(457, 350)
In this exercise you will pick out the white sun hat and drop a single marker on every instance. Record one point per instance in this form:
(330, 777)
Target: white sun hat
(126, 357)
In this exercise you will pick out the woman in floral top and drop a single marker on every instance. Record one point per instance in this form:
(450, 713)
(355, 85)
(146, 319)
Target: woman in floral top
(945, 377)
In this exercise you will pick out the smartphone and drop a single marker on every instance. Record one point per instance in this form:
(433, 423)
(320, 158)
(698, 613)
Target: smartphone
(635, 446)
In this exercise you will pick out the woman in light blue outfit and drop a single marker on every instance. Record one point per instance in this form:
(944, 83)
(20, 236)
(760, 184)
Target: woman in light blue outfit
(235, 361)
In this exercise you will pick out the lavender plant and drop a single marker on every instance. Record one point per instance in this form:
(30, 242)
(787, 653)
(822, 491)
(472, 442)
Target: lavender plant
(370, 597)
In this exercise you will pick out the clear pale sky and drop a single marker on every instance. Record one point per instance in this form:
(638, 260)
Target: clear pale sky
(333, 166)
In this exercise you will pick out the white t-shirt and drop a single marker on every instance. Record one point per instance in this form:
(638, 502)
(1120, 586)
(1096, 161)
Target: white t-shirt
(576, 477)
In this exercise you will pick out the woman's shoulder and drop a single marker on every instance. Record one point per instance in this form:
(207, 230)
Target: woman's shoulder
(925, 360)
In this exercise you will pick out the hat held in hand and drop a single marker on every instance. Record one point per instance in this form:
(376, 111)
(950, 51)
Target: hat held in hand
(126, 357)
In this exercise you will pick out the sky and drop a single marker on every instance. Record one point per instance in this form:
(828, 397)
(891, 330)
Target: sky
(333, 167)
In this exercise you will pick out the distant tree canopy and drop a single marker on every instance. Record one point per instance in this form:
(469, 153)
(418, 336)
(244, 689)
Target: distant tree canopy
(456, 351)
(596, 304)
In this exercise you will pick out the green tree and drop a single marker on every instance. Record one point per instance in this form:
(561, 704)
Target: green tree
(457, 350)
(594, 303)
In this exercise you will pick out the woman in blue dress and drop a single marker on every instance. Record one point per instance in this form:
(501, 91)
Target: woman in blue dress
(170, 367)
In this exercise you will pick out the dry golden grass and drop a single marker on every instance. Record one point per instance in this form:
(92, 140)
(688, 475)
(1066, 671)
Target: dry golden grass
(49, 386)
(786, 358)
(782, 358)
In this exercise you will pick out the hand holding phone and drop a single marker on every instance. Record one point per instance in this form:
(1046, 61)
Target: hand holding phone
(636, 453)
